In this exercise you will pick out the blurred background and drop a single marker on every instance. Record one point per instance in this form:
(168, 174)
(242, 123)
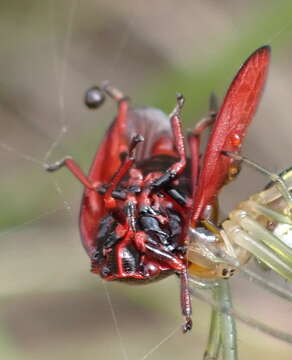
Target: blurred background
(51, 51)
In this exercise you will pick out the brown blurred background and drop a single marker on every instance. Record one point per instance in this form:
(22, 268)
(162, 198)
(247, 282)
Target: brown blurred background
(51, 51)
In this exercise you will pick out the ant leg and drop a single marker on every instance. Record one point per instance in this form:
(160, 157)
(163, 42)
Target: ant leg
(176, 264)
(120, 98)
(93, 99)
(95, 96)
(113, 92)
(186, 303)
(177, 168)
(74, 168)
(177, 196)
(110, 201)
(123, 106)
(274, 177)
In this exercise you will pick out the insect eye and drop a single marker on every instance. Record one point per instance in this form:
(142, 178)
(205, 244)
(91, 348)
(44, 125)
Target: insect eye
(94, 97)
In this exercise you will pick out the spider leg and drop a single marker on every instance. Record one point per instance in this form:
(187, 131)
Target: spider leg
(263, 226)
(228, 334)
(177, 168)
(214, 339)
(251, 275)
(250, 235)
(252, 322)
(259, 233)
(266, 284)
(222, 331)
(282, 187)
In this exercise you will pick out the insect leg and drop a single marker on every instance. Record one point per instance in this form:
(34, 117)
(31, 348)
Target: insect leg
(74, 168)
(113, 92)
(123, 105)
(123, 101)
(176, 264)
(109, 200)
(177, 196)
(194, 137)
(95, 97)
(177, 168)
(186, 303)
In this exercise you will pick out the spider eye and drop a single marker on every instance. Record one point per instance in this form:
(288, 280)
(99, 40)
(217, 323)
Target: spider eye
(94, 97)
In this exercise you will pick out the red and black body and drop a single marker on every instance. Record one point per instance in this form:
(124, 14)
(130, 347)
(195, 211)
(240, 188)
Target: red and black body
(137, 236)
(144, 190)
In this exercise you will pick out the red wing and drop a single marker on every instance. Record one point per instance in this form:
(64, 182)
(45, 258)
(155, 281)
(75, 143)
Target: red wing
(230, 127)
(154, 126)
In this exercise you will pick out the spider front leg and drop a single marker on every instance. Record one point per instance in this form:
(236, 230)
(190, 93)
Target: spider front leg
(259, 241)
(275, 178)
(263, 224)
(214, 339)
(177, 168)
(227, 323)
(222, 333)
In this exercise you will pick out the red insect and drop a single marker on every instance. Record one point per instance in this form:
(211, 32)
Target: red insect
(143, 192)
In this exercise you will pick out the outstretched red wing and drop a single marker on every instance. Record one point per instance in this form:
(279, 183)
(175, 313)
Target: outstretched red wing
(154, 126)
(230, 127)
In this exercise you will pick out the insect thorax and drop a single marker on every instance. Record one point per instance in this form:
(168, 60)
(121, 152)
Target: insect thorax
(152, 217)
